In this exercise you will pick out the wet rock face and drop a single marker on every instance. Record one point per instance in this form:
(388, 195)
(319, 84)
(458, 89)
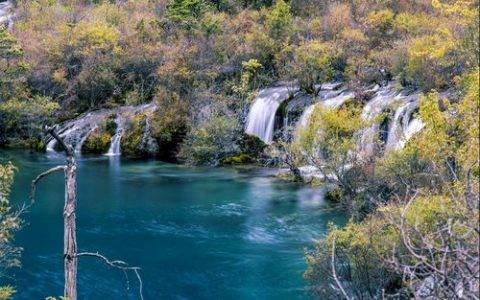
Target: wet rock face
(102, 131)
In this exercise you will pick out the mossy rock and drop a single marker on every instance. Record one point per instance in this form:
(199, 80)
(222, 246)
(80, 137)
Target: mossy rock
(97, 142)
(252, 146)
(240, 159)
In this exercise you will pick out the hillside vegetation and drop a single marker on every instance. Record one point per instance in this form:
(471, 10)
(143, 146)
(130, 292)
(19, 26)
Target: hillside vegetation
(202, 61)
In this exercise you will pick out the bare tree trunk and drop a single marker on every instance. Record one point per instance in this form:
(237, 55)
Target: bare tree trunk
(69, 222)
(70, 254)
(70, 230)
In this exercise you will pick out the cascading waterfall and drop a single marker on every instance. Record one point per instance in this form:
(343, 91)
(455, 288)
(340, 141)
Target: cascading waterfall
(6, 16)
(384, 98)
(402, 127)
(114, 149)
(261, 118)
(148, 142)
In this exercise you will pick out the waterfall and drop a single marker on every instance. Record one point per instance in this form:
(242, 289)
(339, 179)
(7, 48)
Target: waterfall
(413, 127)
(261, 118)
(6, 16)
(114, 149)
(402, 128)
(76, 131)
(384, 97)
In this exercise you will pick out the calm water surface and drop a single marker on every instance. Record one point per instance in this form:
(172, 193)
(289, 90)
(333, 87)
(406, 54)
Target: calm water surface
(197, 233)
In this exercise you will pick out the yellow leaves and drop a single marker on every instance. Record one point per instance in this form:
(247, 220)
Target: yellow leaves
(60, 76)
(434, 142)
(279, 20)
(431, 46)
(468, 119)
(330, 131)
(463, 11)
(95, 37)
(415, 23)
(431, 59)
(382, 19)
(6, 180)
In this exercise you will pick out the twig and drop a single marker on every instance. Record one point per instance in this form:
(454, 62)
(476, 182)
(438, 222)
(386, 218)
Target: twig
(119, 264)
(39, 177)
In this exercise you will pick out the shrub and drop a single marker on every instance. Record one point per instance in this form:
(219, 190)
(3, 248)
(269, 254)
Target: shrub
(313, 64)
(169, 124)
(211, 142)
(97, 142)
(240, 159)
(132, 137)
(9, 223)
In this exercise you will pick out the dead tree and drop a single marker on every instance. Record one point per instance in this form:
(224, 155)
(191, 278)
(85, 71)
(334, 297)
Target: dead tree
(70, 254)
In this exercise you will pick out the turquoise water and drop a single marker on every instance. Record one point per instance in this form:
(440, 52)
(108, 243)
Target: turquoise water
(197, 233)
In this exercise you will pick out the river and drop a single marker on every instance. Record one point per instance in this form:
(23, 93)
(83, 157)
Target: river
(197, 233)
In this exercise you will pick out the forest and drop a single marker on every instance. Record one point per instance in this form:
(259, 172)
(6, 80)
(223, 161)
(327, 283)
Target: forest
(237, 84)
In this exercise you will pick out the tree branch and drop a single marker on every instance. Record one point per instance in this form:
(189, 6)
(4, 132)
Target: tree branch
(67, 148)
(39, 177)
(119, 264)
(334, 272)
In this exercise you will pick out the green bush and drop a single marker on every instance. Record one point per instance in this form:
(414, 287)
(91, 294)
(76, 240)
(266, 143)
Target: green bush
(169, 124)
(211, 142)
(240, 159)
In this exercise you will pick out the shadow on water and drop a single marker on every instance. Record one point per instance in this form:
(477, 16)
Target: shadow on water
(197, 233)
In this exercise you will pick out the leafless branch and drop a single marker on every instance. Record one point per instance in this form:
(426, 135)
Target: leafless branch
(39, 177)
(119, 264)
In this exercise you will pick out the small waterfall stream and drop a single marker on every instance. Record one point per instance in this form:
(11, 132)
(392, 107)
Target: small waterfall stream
(261, 117)
(114, 149)
(384, 98)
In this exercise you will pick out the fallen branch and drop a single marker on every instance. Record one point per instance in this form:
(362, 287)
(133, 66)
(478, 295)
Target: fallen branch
(119, 264)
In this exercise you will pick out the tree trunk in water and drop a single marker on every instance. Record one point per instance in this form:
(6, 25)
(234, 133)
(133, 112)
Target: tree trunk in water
(70, 254)
(70, 230)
